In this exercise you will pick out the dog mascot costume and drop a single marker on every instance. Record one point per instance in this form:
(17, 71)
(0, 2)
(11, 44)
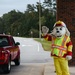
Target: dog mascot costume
(61, 48)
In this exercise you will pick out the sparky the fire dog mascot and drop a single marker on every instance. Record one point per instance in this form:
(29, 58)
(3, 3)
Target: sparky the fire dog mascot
(61, 48)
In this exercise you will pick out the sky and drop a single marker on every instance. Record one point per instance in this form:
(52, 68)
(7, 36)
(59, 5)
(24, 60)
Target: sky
(21, 5)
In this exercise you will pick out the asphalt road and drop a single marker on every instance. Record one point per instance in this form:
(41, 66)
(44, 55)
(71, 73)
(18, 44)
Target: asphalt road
(32, 51)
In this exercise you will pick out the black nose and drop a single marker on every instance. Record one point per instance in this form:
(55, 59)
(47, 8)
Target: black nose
(57, 31)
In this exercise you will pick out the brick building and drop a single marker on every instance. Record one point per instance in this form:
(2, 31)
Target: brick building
(66, 13)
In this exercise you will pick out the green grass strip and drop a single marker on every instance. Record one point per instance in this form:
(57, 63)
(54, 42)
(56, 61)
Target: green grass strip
(45, 44)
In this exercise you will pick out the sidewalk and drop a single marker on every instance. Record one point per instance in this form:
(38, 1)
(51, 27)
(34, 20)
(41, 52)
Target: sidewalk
(49, 69)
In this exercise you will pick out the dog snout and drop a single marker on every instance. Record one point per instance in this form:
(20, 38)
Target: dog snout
(57, 31)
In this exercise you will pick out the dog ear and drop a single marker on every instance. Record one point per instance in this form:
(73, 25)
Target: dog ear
(67, 32)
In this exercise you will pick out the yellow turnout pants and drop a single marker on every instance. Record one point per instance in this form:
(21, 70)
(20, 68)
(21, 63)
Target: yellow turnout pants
(61, 66)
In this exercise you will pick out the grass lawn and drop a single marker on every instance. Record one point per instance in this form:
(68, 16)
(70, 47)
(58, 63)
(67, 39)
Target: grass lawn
(45, 44)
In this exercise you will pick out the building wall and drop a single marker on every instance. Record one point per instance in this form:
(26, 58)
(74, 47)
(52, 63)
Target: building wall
(66, 13)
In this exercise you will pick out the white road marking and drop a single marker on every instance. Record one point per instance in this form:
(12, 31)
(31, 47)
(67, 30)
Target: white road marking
(26, 45)
(38, 47)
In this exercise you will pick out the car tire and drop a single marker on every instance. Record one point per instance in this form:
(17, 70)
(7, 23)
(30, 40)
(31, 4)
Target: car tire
(17, 61)
(7, 67)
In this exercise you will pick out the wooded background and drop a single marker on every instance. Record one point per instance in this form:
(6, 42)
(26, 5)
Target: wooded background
(26, 24)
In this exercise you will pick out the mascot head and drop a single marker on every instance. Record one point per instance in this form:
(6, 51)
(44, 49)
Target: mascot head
(60, 29)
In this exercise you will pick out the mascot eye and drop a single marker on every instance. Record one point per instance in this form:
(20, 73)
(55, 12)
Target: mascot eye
(60, 28)
(56, 28)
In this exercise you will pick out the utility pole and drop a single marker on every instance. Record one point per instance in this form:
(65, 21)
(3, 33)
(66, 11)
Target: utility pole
(39, 19)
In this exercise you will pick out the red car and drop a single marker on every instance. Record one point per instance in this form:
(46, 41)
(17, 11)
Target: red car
(9, 51)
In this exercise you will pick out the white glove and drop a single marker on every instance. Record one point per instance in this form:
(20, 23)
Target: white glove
(68, 57)
(45, 30)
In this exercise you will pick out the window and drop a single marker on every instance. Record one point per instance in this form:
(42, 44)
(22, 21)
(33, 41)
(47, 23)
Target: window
(3, 41)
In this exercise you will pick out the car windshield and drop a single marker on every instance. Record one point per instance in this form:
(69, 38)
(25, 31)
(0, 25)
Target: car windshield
(3, 41)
